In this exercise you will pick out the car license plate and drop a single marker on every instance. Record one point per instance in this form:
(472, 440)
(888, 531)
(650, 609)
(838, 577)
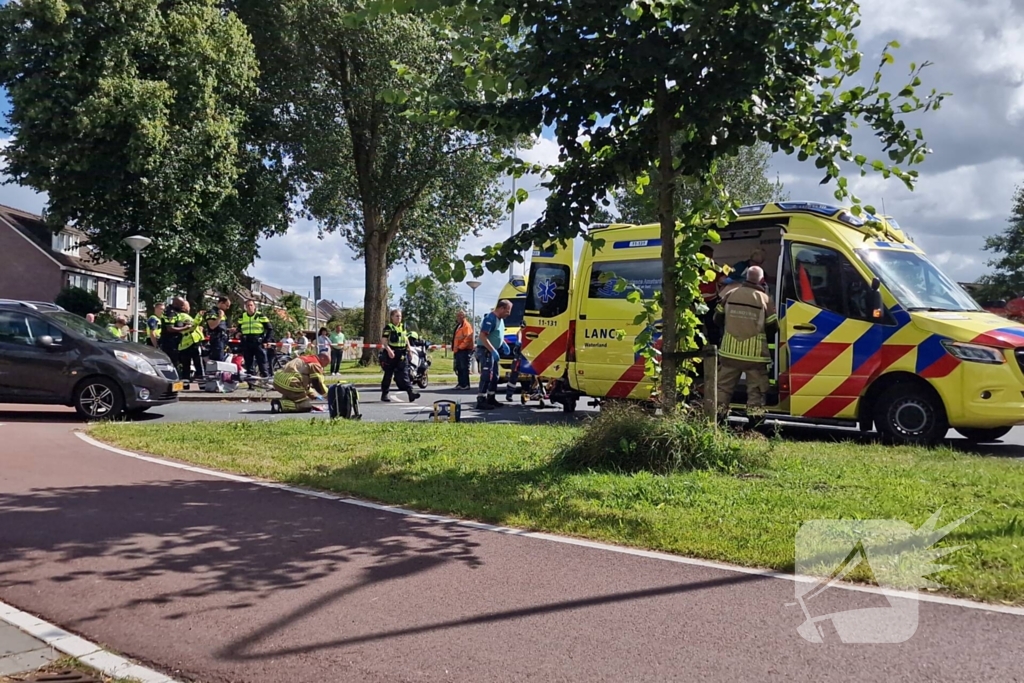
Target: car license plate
(177, 386)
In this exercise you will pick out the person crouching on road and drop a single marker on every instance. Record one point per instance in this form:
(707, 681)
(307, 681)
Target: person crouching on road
(491, 339)
(747, 318)
(300, 382)
(395, 340)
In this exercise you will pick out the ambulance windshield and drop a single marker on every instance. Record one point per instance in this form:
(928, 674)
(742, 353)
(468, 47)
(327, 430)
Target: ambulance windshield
(915, 282)
(515, 318)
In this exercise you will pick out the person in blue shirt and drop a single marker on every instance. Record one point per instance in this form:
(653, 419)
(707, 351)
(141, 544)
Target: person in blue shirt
(488, 344)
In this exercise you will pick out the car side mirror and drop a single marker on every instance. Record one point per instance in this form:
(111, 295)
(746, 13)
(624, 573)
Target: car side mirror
(877, 307)
(46, 341)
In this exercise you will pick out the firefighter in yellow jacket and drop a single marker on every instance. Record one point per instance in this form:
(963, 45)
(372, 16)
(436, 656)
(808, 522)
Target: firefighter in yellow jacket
(746, 316)
(300, 381)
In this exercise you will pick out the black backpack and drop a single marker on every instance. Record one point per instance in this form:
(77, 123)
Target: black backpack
(343, 401)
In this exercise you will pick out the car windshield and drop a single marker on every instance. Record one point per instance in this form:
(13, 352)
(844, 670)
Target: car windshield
(515, 318)
(82, 326)
(915, 281)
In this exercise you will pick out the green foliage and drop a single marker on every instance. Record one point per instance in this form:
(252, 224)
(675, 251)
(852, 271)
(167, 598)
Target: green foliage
(675, 85)
(351, 321)
(137, 124)
(79, 301)
(745, 176)
(295, 322)
(430, 306)
(625, 438)
(394, 184)
(1007, 280)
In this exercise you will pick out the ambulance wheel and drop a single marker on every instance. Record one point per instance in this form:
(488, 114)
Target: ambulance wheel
(912, 415)
(983, 435)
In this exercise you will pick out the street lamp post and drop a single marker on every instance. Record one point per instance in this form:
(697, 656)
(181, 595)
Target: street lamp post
(473, 284)
(137, 243)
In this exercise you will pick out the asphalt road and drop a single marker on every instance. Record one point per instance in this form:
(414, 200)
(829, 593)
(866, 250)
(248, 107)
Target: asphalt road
(1011, 446)
(216, 580)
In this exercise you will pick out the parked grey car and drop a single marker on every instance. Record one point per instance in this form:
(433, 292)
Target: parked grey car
(50, 356)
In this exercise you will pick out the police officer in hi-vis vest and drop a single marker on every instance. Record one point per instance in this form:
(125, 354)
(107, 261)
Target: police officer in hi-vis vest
(256, 331)
(393, 358)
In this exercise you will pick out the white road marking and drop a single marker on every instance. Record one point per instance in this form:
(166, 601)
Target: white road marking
(87, 652)
(649, 554)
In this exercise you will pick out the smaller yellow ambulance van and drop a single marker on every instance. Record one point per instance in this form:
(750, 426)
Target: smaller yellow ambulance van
(872, 333)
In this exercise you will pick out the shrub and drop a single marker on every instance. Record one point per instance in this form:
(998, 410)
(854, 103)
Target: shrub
(628, 439)
(78, 301)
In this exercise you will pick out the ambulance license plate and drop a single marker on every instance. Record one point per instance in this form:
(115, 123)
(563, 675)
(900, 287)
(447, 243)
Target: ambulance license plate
(177, 386)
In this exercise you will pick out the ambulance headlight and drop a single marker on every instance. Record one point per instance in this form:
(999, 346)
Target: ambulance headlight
(974, 353)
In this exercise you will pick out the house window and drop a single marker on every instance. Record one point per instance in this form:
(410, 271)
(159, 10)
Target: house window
(117, 295)
(86, 282)
(66, 243)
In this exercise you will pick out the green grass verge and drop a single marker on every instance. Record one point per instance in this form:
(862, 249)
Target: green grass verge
(505, 474)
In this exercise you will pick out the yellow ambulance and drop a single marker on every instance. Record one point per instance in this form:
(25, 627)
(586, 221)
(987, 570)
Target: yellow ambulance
(515, 291)
(872, 333)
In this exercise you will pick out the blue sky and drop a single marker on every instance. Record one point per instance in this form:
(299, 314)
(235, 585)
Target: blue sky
(965, 190)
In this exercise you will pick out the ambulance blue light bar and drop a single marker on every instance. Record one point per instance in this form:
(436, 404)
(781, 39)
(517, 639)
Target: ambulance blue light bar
(815, 207)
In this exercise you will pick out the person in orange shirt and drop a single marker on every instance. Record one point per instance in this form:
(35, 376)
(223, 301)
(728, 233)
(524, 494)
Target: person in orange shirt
(462, 344)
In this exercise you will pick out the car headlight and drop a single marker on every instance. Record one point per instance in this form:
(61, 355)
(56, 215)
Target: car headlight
(136, 362)
(974, 353)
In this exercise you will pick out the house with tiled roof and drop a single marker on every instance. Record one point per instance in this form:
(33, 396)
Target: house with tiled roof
(38, 263)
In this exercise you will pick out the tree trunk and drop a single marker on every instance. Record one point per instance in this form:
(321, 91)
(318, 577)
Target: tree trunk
(376, 298)
(667, 218)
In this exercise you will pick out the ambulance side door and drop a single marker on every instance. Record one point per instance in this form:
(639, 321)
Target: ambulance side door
(829, 332)
(606, 365)
(546, 322)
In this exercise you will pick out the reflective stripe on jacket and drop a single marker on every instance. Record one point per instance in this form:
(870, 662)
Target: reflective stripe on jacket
(748, 317)
(253, 325)
(396, 335)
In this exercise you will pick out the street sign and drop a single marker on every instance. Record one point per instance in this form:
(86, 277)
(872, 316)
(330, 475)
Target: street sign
(316, 288)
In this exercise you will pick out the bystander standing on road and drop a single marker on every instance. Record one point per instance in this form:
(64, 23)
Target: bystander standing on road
(323, 342)
(462, 345)
(337, 349)
(287, 344)
(90, 318)
(490, 340)
(301, 344)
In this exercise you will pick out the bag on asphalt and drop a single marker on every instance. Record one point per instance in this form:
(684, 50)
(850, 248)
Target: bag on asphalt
(343, 401)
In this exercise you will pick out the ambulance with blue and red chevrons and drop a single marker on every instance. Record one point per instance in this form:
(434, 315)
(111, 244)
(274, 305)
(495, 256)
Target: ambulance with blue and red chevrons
(872, 333)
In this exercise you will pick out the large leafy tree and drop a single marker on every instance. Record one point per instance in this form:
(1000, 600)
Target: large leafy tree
(395, 185)
(131, 116)
(430, 305)
(747, 177)
(1007, 279)
(678, 85)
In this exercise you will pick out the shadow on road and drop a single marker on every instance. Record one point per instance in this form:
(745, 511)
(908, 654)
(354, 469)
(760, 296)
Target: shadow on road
(66, 415)
(208, 538)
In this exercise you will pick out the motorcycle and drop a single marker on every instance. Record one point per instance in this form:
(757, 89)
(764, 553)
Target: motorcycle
(419, 362)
